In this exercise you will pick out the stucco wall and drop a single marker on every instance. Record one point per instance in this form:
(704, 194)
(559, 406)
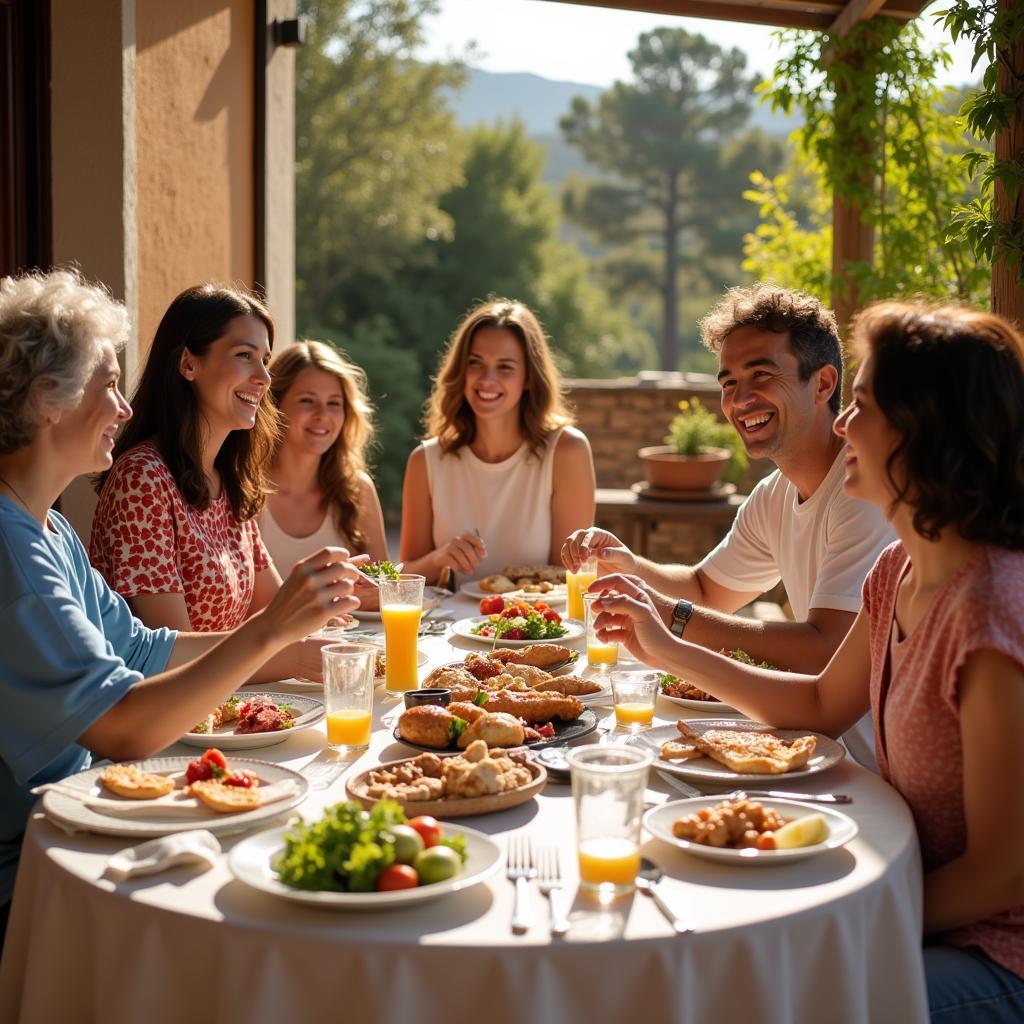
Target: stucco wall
(194, 126)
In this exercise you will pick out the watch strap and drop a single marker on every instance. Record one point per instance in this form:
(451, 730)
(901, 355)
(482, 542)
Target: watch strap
(680, 617)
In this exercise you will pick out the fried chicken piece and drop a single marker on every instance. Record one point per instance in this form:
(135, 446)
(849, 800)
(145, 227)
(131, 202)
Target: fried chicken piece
(429, 764)
(496, 730)
(534, 677)
(481, 666)
(466, 710)
(427, 726)
(759, 753)
(447, 677)
(540, 655)
(533, 707)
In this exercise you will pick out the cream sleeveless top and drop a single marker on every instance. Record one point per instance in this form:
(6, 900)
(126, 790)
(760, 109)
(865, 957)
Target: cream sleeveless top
(509, 502)
(285, 550)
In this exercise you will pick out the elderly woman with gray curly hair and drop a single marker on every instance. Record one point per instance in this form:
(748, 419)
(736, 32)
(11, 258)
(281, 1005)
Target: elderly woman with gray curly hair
(79, 674)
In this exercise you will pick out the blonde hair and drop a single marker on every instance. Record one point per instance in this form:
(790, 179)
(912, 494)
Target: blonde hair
(542, 408)
(51, 329)
(341, 464)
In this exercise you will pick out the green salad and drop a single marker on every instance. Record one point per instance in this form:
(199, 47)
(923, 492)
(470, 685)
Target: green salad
(381, 569)
(522, 627)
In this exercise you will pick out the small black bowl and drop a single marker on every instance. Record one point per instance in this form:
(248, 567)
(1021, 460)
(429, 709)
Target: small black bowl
(428, 695)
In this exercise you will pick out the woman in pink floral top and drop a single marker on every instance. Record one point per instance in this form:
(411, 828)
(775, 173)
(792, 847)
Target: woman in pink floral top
(935, 437)
(175, 531)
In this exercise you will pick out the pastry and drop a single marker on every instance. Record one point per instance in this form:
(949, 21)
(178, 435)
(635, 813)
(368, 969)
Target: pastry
(427, 726)
(749, 751)
(129, 780)
(226, 799)
(673, 751)
(534, 707)
(539, 655)
(496, 730)
(499, 584)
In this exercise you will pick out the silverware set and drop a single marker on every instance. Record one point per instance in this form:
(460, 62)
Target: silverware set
(761, 794)
(523, 865)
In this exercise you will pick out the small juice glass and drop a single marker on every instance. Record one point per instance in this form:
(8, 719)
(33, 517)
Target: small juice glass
(576, 584)
(634, 694)
(348, 694)
(401, 605)
(608, 783)
(599, 654)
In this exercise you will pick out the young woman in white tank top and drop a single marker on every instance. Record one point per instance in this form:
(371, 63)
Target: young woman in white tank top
(503, 477)
(323, 494)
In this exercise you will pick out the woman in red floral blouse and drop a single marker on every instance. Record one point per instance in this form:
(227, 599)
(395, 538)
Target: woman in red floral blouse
(175, 531)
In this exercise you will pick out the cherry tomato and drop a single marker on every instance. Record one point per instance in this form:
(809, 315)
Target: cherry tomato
(511, 612)
(428, 828)
(398, 876)
(547, 731)
(243, 780)
(492, 605)
(198, 771)
(514, 634)
(550, 615)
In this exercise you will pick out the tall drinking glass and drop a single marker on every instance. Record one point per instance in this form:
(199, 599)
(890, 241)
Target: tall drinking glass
(576, 585)
(608, 783)
(401, 604)
(348, 694)
(599, 654)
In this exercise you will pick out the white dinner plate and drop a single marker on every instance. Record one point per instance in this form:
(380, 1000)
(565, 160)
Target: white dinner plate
(310, 711)
(432, 597)
(709, 707)
(827, 753)
(659, 820)
(250, 863)
(70, 811)
(559, 596)
(574, 630)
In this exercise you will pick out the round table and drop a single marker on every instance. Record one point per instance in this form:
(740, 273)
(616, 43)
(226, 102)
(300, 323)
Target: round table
(836, 937)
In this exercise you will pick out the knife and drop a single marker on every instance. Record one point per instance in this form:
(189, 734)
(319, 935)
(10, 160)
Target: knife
(762, 794)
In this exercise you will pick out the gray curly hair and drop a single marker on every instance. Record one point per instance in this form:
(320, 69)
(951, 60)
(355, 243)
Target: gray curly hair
(51, 329)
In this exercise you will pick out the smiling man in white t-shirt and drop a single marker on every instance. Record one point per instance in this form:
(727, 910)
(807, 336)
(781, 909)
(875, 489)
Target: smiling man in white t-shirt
(780, 369)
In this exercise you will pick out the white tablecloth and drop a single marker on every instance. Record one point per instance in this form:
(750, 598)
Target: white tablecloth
(834, 938)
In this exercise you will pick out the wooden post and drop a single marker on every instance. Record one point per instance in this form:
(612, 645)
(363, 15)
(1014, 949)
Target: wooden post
(1007, 292)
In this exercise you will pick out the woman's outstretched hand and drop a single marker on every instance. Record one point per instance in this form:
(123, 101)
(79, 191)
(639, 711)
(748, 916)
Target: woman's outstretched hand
(632, 614)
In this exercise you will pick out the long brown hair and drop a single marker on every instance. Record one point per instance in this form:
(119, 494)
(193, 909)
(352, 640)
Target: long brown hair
(340, 466)
(167, 411)
(542, 409)
(950, 380)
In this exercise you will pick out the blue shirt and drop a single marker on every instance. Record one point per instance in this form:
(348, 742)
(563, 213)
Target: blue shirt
(70, 649)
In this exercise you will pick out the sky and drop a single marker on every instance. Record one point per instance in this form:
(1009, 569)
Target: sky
(571, 43)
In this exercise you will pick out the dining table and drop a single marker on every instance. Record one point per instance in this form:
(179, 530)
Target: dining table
(835, 937)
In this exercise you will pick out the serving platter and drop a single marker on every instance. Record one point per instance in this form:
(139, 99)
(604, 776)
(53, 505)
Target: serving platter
(659, 820)
(827, 753)
(565, 732)
(452, 807)
(70, 811)
(251, 863)
(309, 709)
(463, 628)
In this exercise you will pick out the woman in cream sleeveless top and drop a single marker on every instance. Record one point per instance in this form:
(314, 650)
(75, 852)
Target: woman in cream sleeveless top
(502, 478)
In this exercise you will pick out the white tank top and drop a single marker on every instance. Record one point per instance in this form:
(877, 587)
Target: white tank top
(508, 502)
(286, 550)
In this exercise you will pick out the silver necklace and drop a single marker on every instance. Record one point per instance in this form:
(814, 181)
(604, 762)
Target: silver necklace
(7, 483)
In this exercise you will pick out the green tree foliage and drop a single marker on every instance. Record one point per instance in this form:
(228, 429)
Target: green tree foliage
(906, 186)
(676, 168)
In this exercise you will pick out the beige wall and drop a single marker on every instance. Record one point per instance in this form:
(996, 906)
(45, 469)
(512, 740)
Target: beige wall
(194, 125)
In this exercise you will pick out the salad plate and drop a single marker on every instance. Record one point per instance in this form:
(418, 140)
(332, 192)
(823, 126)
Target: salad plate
(66, 808)
(251, 863)
(464, 628)
(659, 820)
(308, 711)
(709, 707)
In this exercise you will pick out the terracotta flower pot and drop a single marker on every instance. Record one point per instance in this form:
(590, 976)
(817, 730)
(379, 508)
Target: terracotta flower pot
(666, 470)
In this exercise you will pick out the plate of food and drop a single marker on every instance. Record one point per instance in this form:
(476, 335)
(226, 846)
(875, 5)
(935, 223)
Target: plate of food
(536, 580)
(520, 631)
(248, 720)
(505, 719)
(480, 780)
(738, 830)
(397, 862)
(678, 691)
(727, 751)
(161, 795)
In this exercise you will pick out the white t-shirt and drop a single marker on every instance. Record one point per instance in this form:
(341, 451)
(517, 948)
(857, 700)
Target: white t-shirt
(821, 549)
(285, 550)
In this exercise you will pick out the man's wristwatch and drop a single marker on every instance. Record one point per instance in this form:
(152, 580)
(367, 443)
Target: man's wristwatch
(680, 617)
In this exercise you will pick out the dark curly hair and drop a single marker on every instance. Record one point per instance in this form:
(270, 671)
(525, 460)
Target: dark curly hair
(951, 382)
(813, 334)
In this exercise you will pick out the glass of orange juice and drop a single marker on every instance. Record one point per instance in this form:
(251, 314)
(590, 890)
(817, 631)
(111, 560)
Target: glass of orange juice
(608, 783)
(348, 694)
(401, 605)
(599, 654)
(634, 694)
(576, 585)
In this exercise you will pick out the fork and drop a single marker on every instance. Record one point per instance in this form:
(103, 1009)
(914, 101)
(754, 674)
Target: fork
(763, 794)
(520, 870)
(549, 878)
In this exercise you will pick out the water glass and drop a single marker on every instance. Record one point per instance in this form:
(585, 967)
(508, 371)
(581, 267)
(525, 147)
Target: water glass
(608, 784)
(634, 694)
(401, 605)
(599, 654)
(348, 694)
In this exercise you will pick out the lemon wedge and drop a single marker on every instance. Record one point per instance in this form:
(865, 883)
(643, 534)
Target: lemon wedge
(806, 831)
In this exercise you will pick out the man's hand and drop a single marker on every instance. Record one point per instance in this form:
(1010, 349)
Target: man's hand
(611, 554)
(631, 614)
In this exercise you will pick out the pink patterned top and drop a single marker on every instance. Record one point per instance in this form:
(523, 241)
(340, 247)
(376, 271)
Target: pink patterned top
(147, 540)
(915, 706)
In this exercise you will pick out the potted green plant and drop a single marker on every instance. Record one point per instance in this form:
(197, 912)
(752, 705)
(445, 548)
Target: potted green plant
(698, 450)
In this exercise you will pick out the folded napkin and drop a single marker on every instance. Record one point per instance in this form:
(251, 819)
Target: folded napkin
(199, 847)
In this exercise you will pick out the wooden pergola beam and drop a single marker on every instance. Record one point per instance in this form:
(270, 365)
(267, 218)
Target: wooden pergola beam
(854, 11)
